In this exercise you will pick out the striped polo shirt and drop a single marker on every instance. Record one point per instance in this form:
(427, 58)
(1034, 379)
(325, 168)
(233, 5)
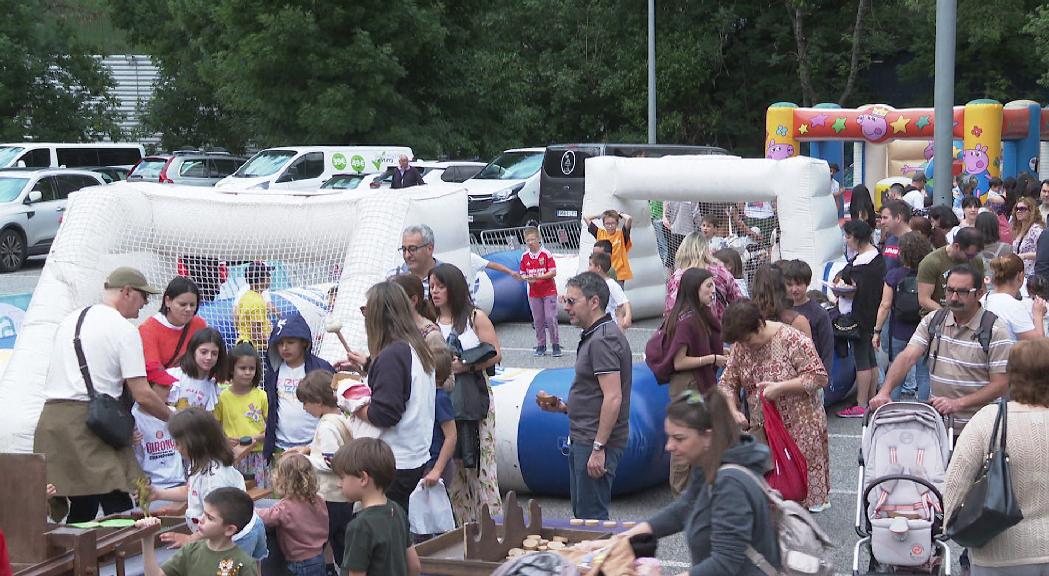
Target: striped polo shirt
(957, 363)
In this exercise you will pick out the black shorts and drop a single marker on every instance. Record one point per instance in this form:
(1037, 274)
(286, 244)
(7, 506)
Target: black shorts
(863, 351)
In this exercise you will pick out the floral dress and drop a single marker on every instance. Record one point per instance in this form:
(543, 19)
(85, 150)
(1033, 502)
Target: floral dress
(473, 487)
(789, 354)
(1029, 243)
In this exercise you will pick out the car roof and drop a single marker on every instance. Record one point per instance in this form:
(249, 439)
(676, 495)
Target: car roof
(47, 170)
(540, 149)
(445, 163)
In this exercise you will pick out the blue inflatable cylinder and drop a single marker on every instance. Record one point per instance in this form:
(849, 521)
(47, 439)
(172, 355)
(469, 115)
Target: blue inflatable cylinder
(510, 303)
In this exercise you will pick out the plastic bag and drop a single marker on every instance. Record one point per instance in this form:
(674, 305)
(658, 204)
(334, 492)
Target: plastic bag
(430, 510)
(790, 476)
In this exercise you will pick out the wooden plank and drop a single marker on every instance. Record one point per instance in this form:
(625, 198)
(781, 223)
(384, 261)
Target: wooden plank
(23, 506)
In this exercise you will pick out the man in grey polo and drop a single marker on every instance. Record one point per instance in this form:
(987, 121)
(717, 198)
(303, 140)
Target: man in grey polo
(598, 405)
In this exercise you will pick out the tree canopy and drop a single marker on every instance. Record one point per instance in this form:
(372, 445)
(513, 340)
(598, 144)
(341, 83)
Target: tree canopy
(464, 78)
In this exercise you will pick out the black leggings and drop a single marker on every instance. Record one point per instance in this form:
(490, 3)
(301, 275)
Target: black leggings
(85, 508)
(404, 482)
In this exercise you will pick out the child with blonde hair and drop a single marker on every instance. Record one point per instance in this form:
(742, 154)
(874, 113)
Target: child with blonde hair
(300, 517)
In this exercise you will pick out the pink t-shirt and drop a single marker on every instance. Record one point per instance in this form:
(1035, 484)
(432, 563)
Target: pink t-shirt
(303, 527)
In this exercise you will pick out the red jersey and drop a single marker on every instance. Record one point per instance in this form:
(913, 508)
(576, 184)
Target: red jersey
(537, 265)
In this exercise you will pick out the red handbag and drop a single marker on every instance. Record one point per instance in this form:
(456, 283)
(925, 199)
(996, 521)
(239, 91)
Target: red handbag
(790, 472)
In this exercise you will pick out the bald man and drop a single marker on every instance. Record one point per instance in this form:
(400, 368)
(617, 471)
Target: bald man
(405, 175)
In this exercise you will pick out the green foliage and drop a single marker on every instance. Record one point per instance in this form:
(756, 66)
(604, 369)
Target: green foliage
(466, 78)
(50, 86)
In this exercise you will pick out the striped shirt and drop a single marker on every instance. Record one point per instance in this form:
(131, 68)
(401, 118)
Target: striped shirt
(958, 365)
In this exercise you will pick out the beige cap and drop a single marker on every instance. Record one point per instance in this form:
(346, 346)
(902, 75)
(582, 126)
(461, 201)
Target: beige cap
(131, 278)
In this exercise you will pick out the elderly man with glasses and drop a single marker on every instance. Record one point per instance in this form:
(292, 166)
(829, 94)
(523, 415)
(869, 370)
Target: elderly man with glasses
(966, 349)
(417, 251)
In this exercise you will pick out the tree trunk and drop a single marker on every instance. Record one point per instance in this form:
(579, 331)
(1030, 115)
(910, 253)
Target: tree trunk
(808, 93)
(854, 64)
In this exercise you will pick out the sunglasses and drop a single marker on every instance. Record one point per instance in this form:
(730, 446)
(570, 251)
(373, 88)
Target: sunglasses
(364, 310)
(1022, 209)
(960, 291)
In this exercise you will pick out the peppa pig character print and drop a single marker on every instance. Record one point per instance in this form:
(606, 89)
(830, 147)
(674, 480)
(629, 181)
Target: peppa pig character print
(873, 124)
(779, 151)
(976, 160)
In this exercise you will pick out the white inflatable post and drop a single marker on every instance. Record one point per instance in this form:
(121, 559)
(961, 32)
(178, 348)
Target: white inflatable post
(800, 186)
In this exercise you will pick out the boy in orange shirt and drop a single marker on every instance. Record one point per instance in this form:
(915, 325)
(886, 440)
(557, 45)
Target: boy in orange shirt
(618, 236)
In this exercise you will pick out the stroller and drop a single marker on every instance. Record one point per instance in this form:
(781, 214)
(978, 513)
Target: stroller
(899, 502)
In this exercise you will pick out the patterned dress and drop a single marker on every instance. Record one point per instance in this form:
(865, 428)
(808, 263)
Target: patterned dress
(1029, 243)
(473, 487)
(787, 355)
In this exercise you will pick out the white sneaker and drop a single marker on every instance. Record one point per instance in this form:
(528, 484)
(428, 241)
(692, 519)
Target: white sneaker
(819, 507)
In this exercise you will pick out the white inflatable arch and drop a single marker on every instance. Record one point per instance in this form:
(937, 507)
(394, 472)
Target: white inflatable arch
(808, 217)
(347, 238)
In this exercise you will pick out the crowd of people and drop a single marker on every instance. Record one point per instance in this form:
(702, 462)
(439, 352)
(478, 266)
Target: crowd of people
(945, 296)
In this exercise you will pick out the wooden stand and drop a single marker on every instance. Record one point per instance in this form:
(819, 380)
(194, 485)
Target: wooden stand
(478, 548)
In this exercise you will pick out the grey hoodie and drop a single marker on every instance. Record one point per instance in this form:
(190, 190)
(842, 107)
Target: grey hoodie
(719, 521)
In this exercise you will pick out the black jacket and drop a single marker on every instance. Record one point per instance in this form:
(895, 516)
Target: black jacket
(868, 279)
(411, 177)
(719, 521)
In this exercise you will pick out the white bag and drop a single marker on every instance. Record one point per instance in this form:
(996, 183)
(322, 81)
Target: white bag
(430, 510)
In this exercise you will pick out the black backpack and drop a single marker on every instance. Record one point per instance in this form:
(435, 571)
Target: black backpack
(982, 335)
(905, 307)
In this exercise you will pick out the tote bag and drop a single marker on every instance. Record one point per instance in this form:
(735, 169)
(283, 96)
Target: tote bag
(789, 475)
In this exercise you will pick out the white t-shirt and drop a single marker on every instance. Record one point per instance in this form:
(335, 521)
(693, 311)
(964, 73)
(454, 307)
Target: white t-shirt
(1015, 314)
(759, 210)
(333, 430)
(616, 296)
(410, 438)
(835, 188)
(916, 199)
(156, 452)
(295, 427)
(113, 350)
(200, 485)
(196, 392)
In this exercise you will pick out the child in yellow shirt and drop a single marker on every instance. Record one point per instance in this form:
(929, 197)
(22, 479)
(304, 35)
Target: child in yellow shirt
(619, 237)
(242, 410)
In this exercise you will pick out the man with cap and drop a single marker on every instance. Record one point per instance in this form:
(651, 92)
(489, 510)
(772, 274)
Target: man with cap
(83, 467)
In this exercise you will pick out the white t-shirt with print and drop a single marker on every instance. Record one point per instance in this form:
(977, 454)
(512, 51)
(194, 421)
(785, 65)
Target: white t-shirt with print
(113, 350)
(295, 427)
(200, 485)
(195, 391)
(156, 451)
(916, 199)
(1015, 314)
(616, 296)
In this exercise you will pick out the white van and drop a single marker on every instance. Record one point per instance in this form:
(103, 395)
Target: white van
(69, 155)
(505, 193)
(307, 167)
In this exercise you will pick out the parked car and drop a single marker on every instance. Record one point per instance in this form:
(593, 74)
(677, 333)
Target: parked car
(110, 174)
(308, 167)
(190, 167)
(432, 173)
(69, 155)
(346, 181)
(505, 193)
(32, 201)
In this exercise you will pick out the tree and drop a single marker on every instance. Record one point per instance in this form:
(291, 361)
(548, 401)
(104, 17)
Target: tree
(51, 88)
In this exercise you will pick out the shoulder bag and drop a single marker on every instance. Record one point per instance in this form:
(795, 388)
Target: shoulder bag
(182, 338)
(106, 416)
(990, 507)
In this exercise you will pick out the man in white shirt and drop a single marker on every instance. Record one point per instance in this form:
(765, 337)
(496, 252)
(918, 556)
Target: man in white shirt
(80, 464)
(915, 197)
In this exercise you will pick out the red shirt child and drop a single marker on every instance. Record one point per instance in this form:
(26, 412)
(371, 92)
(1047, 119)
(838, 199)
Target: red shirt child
(537, 264)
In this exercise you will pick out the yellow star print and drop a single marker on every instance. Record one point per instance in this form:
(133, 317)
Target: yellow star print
(803, 129)
(900, 125)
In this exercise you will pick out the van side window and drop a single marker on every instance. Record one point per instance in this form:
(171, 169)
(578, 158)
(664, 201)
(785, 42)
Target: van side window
(194, 169)
(77, 157)
(118, 156)
(38, 158)
(309, 166)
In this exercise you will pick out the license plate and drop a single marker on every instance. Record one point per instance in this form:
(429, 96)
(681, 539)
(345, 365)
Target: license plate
(567, 213)
(469, 218)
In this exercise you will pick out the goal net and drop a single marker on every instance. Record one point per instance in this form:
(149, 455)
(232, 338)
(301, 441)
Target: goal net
(324, 250)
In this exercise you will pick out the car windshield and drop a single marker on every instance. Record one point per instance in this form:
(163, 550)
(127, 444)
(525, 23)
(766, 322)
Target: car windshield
(149, 169)
(512, 166)
(10, 188)
(9, 153)
(265, 163)
(343, 182)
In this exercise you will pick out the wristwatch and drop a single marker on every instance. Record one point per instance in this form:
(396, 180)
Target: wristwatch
(598, 446)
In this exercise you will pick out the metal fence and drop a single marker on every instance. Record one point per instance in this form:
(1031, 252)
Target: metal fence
(560, 238)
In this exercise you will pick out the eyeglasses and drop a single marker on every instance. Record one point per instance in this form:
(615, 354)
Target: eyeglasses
(412, 249)
(570, 301)
(959, 291)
